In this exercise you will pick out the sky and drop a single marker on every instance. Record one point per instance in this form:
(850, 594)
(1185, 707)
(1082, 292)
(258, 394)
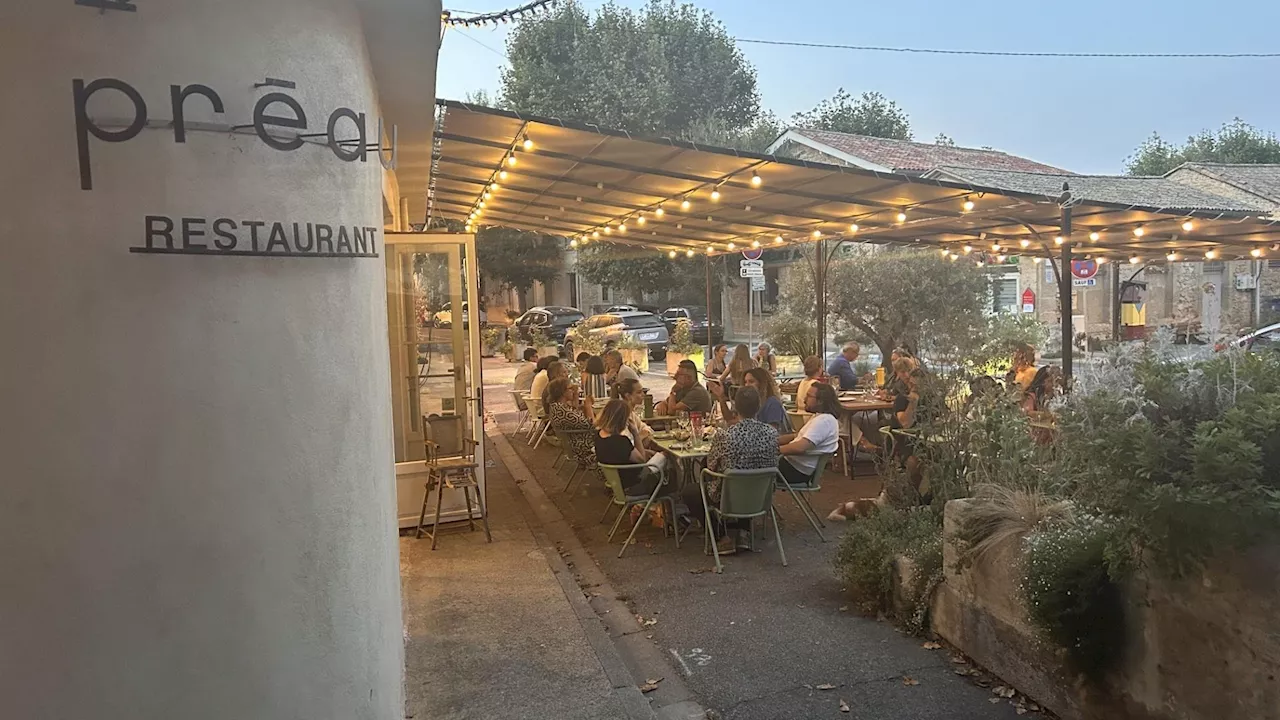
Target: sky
(1082, 114)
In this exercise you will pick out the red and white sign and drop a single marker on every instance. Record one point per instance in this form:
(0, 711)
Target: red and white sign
(753, 254)
(1028, 301)
(1084, 269)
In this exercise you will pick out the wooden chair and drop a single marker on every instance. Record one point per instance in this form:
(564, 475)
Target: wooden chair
(456, 473)
(744, 495)
(620, 497)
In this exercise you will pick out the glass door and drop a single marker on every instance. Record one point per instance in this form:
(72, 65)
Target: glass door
(433, 321)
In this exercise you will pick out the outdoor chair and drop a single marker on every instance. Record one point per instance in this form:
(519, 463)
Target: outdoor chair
(522, 407)
(456, 473)
(585, 464)
(663, 493)
(540, 424)
(798, 493)
(744, 495)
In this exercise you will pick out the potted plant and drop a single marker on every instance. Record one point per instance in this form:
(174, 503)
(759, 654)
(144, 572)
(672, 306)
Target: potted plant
(508, 349)
(583, 341)
(682, 347)
(544, 345)
(634, 353)
(490, 339)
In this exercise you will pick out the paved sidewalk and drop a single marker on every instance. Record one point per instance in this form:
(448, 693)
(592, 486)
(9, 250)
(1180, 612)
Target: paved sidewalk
(490, 632)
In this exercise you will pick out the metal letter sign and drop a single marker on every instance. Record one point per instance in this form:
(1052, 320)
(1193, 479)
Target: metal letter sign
(1084, 269)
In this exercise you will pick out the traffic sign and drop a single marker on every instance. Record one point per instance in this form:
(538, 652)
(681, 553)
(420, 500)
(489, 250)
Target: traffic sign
(757, 282)
(751, 263)
(754, 254)
(1084, 282)
(751, 271)
(1084, 269)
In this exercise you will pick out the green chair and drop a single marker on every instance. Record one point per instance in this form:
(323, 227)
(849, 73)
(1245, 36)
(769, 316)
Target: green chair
(798, 492)
(744, 494)
(585, 463)
(613, 481)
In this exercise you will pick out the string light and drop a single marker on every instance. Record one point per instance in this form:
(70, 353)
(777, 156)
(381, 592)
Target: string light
(659, 212)
(755, 243)
(527, 144)
(995, 247)
(595, 234)
(755, 179)
(622, 227)
(495, 18)
(1139, 231)
(710, 249)
(511, 160)
(777, 240)
(1211, 254)
(1037, 261)
(608, 230)
(952, 257)
(1024, 242)
(1059, 240)
(502, 175)
(1256, 252)
(902, 217)
(671, 254)
(1188, 226)
(817, 233)
(943, 251)
(1135, 260)
(715, 195)
(853, 227)
(495, 187)
(1102, 259)
(688, 253)
(1093, 236)
(731, 246)
(1171, 256)
(573, 243)
(967, 249)
(968, 204)
(487, 195)
(684, 204)
(640, 219)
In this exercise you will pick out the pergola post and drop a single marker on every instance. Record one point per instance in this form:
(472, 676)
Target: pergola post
(1115, 302)
(820, 273)
(1064, 288)
(706, 362)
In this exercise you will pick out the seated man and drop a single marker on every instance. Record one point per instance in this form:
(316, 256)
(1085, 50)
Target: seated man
(686, 395)
(841, 369)
(747, 445)
(524, 376)
(819, 436)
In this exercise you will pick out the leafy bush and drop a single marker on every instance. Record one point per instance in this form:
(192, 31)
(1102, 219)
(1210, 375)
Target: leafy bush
(682, 339)
(583, 341)
(864, 560)
(791, 334)
(490, 338)
(539, 339)
(1071, 596)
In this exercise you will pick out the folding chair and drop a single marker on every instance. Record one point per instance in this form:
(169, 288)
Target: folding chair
(744, 494)
(522, 407)
(620, 497)
(814, 485)
(585, 464)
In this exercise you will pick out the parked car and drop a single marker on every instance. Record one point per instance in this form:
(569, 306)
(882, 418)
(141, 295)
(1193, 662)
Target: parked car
(1267, 338)
(553, 320)
(444, 317)
(643, 327)
(699, 326)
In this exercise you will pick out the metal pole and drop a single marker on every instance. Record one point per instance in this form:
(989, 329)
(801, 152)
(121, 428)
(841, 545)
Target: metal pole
(1064, 289)
(707, 358)
(820, 279)
(1115, 302)
(751, 314)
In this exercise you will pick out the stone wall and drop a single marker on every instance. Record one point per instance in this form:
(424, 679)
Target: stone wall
(1203, 648)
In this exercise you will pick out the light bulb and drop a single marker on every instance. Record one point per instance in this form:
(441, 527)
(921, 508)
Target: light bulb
(527, 144)
(732, 246)
(1059, 240)
(1211, 254)
(659, 212)
(817, 233)
(967, 249)
(573, 243)
(943, 251)
(688, 253)
(952, 257)
(1135, 260)
(502, 175)
(968, 205)
(980, 263)
(1024, 242)
(1035, 260)
(755, 179)
(853, 227)
(715, 195)
(777, 240)
(999, 258)
(1093, 236)
(481, 203)
(1102, 260)
(495, 187)
(1171, 256)
(1139, 231)
(710, 249)
(995, 247)
(685, 204)
(511, 160)
(622, 227)
(902, 217)
(755, 243)
(672, 254)
(608, 230)
(1256, 252)
(640, 220)
(595, 234)
(487, 194)
(1188, 226)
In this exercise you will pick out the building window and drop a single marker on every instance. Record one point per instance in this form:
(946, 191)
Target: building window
(573, 289)
(1004, 294)
(1273, 264)
(1213, 266)
(605, 295)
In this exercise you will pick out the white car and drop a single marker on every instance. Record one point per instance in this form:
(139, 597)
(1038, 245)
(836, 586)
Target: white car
(1267, 338)
(444, 318)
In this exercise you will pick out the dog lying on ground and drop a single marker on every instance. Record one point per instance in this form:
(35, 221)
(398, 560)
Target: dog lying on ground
(855, 509)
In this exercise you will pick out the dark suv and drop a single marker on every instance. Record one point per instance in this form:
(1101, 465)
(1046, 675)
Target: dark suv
(553, 320)
(699, 326)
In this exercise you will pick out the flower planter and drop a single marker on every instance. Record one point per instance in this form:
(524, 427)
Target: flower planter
(637, 358)
(674, 358)
(549, 351)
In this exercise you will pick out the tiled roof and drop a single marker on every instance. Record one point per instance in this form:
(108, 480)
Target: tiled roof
(1151, 192)
(1261, 180)
(914, 157)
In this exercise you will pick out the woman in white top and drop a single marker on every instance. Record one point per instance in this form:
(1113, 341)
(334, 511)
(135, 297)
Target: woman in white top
(819, 436)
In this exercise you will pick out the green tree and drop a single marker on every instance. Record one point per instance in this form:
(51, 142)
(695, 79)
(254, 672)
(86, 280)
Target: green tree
(756, 137)
(944, 140)
(635, 271)
(869, 114)
(656, 71)
(907, 297)
(1235, 142)
(517, 259)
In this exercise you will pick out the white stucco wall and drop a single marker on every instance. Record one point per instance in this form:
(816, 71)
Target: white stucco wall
(197, 512)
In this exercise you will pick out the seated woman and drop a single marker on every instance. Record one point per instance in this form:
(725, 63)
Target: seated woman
(594, 385)
(747, 445)
(764, 358)
(717, 366)
(812, 374)
(740, 363)
(567, 416)
(614, 446)
(770, 410)
(632, 393)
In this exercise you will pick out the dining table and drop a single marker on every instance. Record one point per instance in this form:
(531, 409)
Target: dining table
(685, 455)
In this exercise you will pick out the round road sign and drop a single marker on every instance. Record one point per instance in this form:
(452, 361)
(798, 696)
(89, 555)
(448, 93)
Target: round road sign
(1084, 269)
(752, 254)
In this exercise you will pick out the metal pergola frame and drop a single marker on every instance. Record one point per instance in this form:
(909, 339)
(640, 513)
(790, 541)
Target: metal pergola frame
(590, 184)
